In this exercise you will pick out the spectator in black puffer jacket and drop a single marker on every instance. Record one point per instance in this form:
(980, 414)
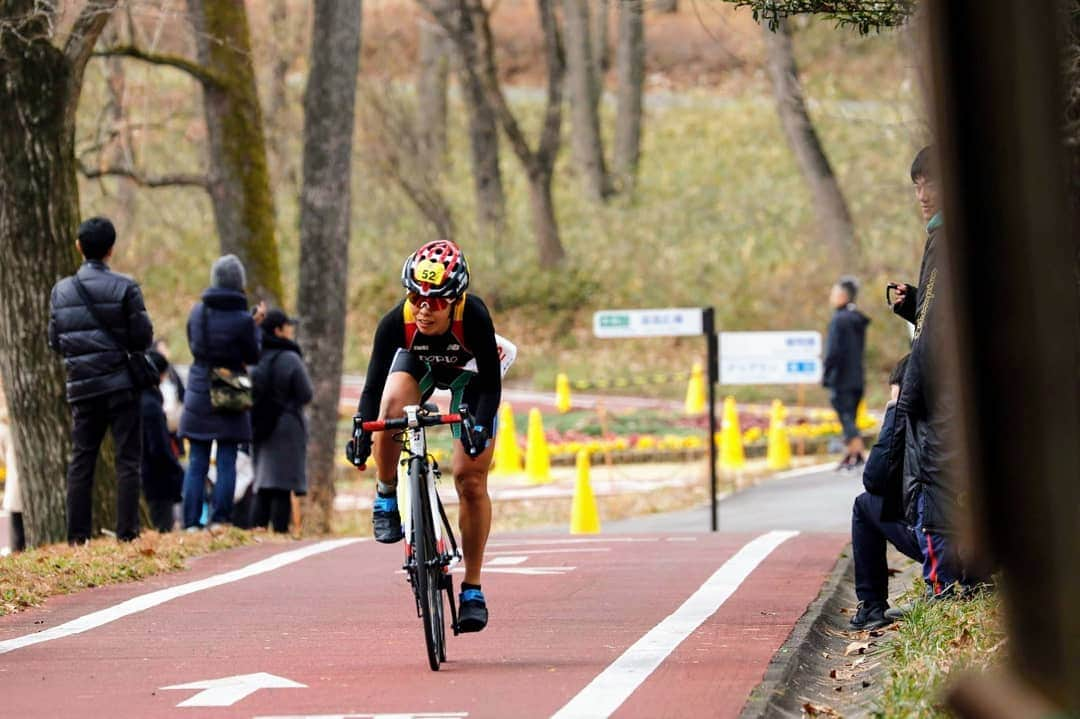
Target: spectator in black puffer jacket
(100, 389)
(843, 374)
(222, 333)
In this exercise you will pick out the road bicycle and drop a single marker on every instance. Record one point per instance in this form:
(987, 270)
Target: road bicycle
(431, 550)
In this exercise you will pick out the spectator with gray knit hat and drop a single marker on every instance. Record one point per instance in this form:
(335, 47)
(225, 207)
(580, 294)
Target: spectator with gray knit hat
(223, 334)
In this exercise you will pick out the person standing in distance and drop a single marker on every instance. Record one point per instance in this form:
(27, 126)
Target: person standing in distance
(844, 376)
(100, 388)
(221, 333)
(436, 337)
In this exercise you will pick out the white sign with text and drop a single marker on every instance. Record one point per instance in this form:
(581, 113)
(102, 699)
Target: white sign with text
(770, 357)
(670, 322)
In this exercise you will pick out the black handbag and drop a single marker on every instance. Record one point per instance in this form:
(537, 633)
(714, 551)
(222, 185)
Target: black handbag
(142, 371)
(230, 390)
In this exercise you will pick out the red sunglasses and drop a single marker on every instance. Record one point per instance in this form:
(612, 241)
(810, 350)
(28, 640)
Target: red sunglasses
(435, 304)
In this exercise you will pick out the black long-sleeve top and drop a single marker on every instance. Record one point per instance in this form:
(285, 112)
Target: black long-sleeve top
(471, 336)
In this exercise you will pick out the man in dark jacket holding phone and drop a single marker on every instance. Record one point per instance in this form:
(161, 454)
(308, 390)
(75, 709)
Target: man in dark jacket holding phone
(926, 407)
(100, 389)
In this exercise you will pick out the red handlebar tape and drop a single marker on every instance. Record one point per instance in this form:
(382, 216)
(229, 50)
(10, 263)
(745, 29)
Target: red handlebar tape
(379, 425)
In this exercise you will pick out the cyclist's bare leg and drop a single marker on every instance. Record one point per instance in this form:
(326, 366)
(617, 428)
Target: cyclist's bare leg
(474, 509)
(401, 389)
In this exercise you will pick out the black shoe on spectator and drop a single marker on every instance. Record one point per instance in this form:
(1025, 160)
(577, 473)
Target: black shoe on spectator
(896, 614)
(845, 463)
(870, 615)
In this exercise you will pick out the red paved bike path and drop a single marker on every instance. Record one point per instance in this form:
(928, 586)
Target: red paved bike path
(343, 624)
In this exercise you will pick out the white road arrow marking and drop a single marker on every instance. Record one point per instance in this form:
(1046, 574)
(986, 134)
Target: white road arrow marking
(505, 561)
(227, 691)
(488, 569)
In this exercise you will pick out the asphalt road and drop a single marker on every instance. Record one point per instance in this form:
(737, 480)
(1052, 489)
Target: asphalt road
(808, 501)
(665, 623)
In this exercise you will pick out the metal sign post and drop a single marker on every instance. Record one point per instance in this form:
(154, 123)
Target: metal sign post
(672, 322)
(709, 330)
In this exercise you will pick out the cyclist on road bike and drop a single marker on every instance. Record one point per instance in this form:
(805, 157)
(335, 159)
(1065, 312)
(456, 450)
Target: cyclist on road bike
(437, 337)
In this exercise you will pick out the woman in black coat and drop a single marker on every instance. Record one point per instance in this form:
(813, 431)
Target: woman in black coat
(162, 474)
(222, 333)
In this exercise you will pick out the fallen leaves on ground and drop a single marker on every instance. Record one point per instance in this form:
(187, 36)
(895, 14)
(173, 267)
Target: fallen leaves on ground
(820, 710)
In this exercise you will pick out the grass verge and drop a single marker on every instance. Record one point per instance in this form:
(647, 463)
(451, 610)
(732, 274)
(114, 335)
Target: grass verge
(28, 578)
(936, 641)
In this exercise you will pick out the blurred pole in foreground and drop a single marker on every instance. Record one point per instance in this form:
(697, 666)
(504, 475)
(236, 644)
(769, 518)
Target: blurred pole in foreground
(1011, 274)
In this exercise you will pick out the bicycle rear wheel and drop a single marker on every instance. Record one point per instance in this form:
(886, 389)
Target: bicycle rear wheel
(428, 568)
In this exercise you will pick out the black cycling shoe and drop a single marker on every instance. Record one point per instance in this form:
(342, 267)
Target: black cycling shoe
(474, 614)
(386, 520)
(871, 615)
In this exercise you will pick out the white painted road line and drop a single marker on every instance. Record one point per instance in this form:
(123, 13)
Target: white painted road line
(589, 540)
(153, 599)
(614, 685)
(422, 715)
(531, 552)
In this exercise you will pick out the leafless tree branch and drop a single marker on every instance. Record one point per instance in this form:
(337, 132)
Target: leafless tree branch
(199, 72)
(179, 179)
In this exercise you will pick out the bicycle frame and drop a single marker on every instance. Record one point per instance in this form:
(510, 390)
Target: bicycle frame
(428, 559)
(416, 450)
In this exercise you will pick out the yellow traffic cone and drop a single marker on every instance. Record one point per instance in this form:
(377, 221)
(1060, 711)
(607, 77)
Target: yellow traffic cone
(863, 420)
(562, 393)
(507, 453)
(537, 457)
(778, 455)
(731, 449)
(695, 391)
(584, 519)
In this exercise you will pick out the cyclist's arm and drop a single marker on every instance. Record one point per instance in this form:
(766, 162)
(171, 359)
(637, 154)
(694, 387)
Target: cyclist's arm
(480, 337)
(389, 336)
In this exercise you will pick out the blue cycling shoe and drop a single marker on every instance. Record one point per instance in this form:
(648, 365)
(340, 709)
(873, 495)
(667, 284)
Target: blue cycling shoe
(386, 520)
(474, 614)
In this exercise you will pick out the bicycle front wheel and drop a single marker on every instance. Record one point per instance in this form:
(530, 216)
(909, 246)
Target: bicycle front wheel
(428, 568)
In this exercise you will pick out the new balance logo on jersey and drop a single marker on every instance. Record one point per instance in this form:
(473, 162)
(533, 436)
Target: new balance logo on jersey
(453, 348)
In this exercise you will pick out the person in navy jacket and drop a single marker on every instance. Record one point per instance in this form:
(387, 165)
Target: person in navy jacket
(221, 332)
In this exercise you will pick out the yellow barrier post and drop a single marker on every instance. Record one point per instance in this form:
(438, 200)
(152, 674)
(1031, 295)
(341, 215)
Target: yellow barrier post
(537, 456)
(562, 393)
(731, 448)
(584, 519)
(507, 453)
(778, 455)
(695, 391)
(863, 420)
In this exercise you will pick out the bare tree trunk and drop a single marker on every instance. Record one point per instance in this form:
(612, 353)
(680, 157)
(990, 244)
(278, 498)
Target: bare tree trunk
(484, 153)
(834, 220)
(239, 178)
(431, 87)
(584, 100)
(630, 76)
(279, 69)
(325, 210)
(468, 23)
(601, 43)
(39, 215)
(122, 146)
(545, 227)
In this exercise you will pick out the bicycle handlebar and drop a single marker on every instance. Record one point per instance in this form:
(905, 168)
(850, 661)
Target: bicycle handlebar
(423, 420)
